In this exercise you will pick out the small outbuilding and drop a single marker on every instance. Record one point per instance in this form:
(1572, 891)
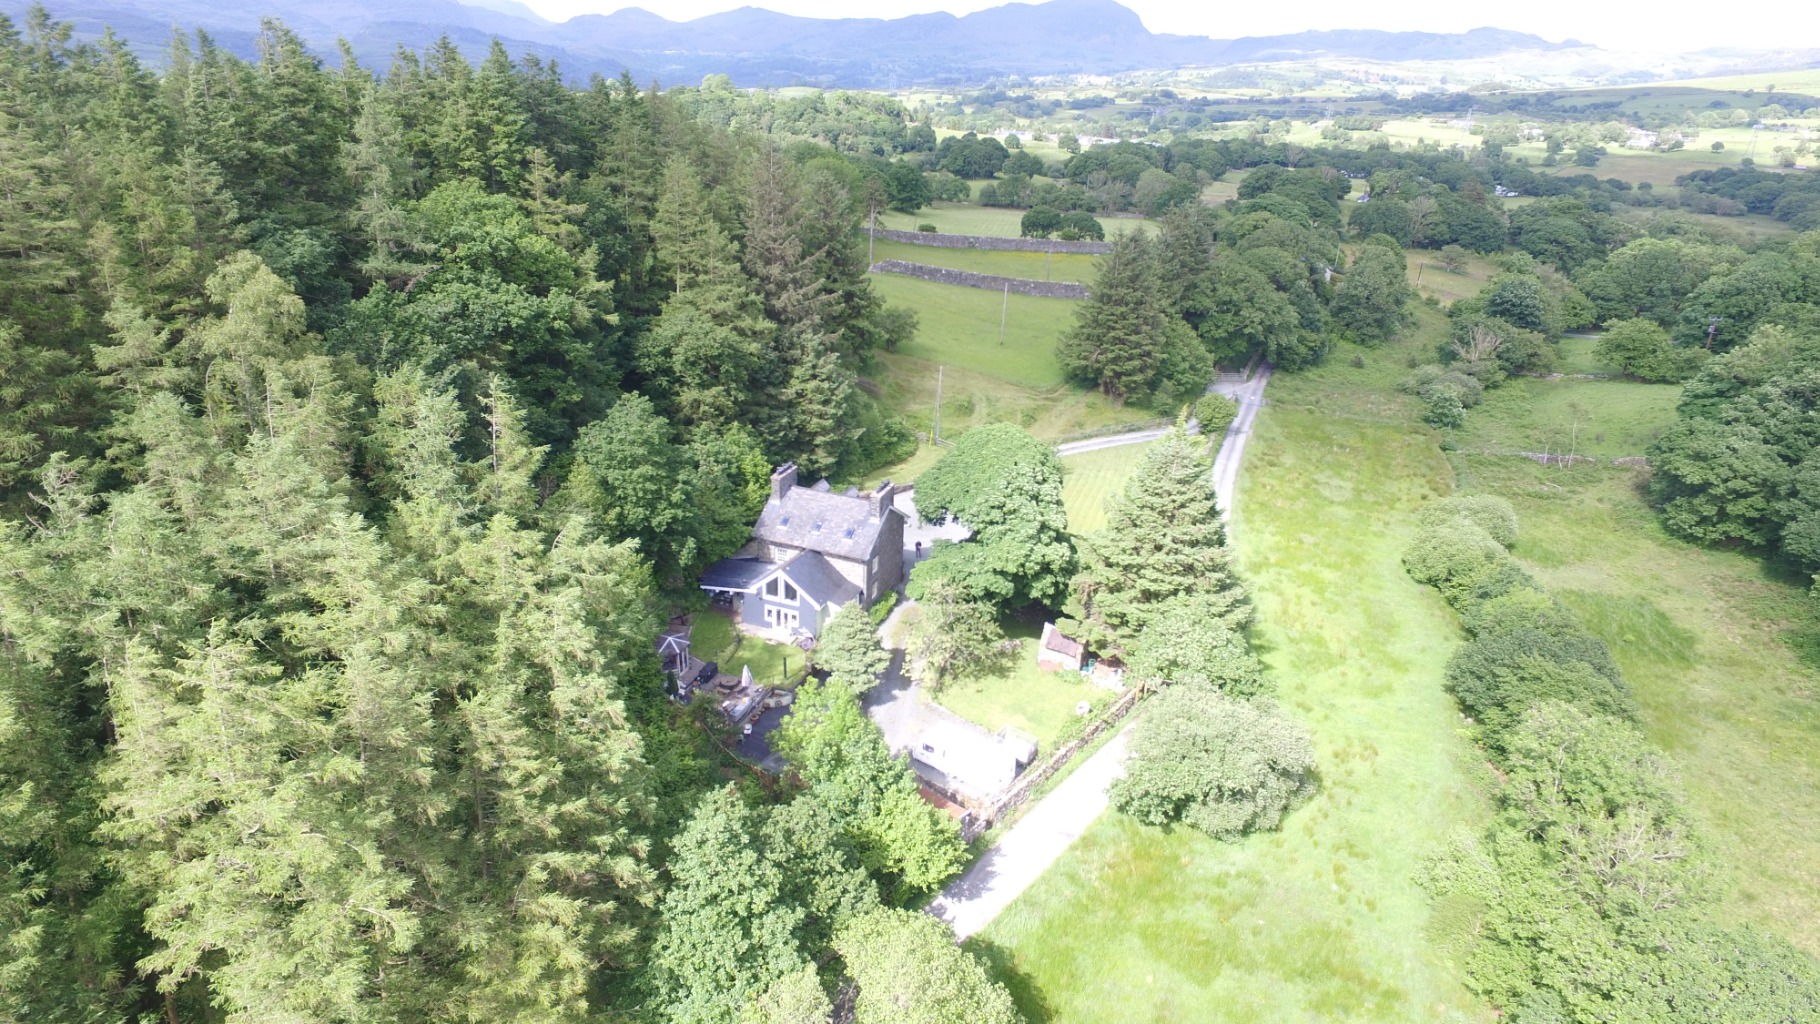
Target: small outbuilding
(1058, 653)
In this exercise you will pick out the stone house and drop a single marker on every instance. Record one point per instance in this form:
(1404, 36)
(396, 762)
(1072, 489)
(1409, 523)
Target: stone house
(812, 550)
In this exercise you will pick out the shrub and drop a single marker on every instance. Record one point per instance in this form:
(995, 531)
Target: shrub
(1215, 413)
(1489, 512)
(1187, 644)
(1527, 650)
(928, 228)
(1226, 767)
(1450, 554)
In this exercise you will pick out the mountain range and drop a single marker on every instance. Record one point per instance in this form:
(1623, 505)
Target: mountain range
(763, 48)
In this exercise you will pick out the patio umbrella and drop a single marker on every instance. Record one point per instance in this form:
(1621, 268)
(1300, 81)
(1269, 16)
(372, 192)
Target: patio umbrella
(745, 677)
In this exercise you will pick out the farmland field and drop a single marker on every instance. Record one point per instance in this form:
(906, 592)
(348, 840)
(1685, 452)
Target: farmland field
(1325, 919)
(995, 221)
(960, 327)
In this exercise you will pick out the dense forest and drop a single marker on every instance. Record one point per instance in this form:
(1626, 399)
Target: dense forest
(359, 435)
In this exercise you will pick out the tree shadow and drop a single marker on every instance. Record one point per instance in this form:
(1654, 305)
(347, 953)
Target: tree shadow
(1002, 966)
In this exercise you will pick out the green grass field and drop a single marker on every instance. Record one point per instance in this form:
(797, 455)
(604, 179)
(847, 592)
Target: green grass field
(1710, 641)
(1036, 266)
(995, 221)
(1428, 277)
(1089, 478)
(1603, 419)
(959, 327)
(1323, 921)
(1577, 356)
(1018, 694)
(970, 398)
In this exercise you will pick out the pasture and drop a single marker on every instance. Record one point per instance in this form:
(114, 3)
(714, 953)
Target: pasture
(990, 221)
(1605, 419)
(1036, 266)
(959, 327)
(1325, 919)
(1720, 652)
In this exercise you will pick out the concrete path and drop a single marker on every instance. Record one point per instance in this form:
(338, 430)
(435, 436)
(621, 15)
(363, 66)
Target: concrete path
(1049, 827)
(1250, 396)
(1034, 843)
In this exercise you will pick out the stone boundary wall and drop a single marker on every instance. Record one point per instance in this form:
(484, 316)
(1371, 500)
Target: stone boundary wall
(1032, 778)
(941, 241)
(968, 279)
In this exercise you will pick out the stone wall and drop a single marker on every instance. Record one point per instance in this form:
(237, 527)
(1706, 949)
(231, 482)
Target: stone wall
(941, 241)
(989, 282)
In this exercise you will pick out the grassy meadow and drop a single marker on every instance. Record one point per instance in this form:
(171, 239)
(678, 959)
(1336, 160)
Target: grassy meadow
(990, 221)
(983, 381)
(1323, 921)
(1711, 641)
(959, 327)
(1036, 266)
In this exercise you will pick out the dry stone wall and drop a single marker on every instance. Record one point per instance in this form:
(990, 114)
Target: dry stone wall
(941, 241)
(989, 282)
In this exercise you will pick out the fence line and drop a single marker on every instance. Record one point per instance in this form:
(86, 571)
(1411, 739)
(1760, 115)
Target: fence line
(988, 282)
(946, 241)
(1028, 782)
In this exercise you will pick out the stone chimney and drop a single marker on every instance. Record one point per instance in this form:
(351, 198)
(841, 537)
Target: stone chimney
(782, 480)
(880, 500)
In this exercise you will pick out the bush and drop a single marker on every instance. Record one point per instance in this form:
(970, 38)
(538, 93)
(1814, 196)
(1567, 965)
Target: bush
(926, 228)
(1226, 767)
(1215, 413)
(881, 610)
(1448, 393)
(1451, 555)
(1527, 650)
(1489, 512)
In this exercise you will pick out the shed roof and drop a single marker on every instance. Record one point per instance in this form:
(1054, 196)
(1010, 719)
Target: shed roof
(1053, 640)
(740, 575)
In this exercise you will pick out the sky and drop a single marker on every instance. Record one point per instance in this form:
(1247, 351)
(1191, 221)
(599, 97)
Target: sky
(1609, 24)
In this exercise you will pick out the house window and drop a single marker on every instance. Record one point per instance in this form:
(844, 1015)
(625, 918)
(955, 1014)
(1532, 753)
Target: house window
(771, 588)
(875, 565)
(789, 591)
(780, 617)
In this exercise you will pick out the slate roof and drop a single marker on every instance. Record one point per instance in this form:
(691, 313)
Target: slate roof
(830, 523)
(812, 574)
(738, 574)
(1054, 640)
(819, 581)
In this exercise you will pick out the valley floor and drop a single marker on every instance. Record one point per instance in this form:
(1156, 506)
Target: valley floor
(1326, 919)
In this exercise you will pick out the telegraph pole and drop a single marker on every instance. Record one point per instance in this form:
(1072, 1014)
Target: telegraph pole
(1004, 313)
(936, 435)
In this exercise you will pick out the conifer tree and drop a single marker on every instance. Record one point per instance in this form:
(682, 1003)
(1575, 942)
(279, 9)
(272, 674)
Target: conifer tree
(848, 649)
(1163, 538)
(1117, 341)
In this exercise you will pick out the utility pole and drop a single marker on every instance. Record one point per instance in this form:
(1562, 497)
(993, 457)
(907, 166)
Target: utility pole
(936, 435)
(1004, 313)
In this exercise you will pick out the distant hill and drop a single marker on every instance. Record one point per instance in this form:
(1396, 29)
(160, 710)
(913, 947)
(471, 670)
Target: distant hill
(762, 48)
